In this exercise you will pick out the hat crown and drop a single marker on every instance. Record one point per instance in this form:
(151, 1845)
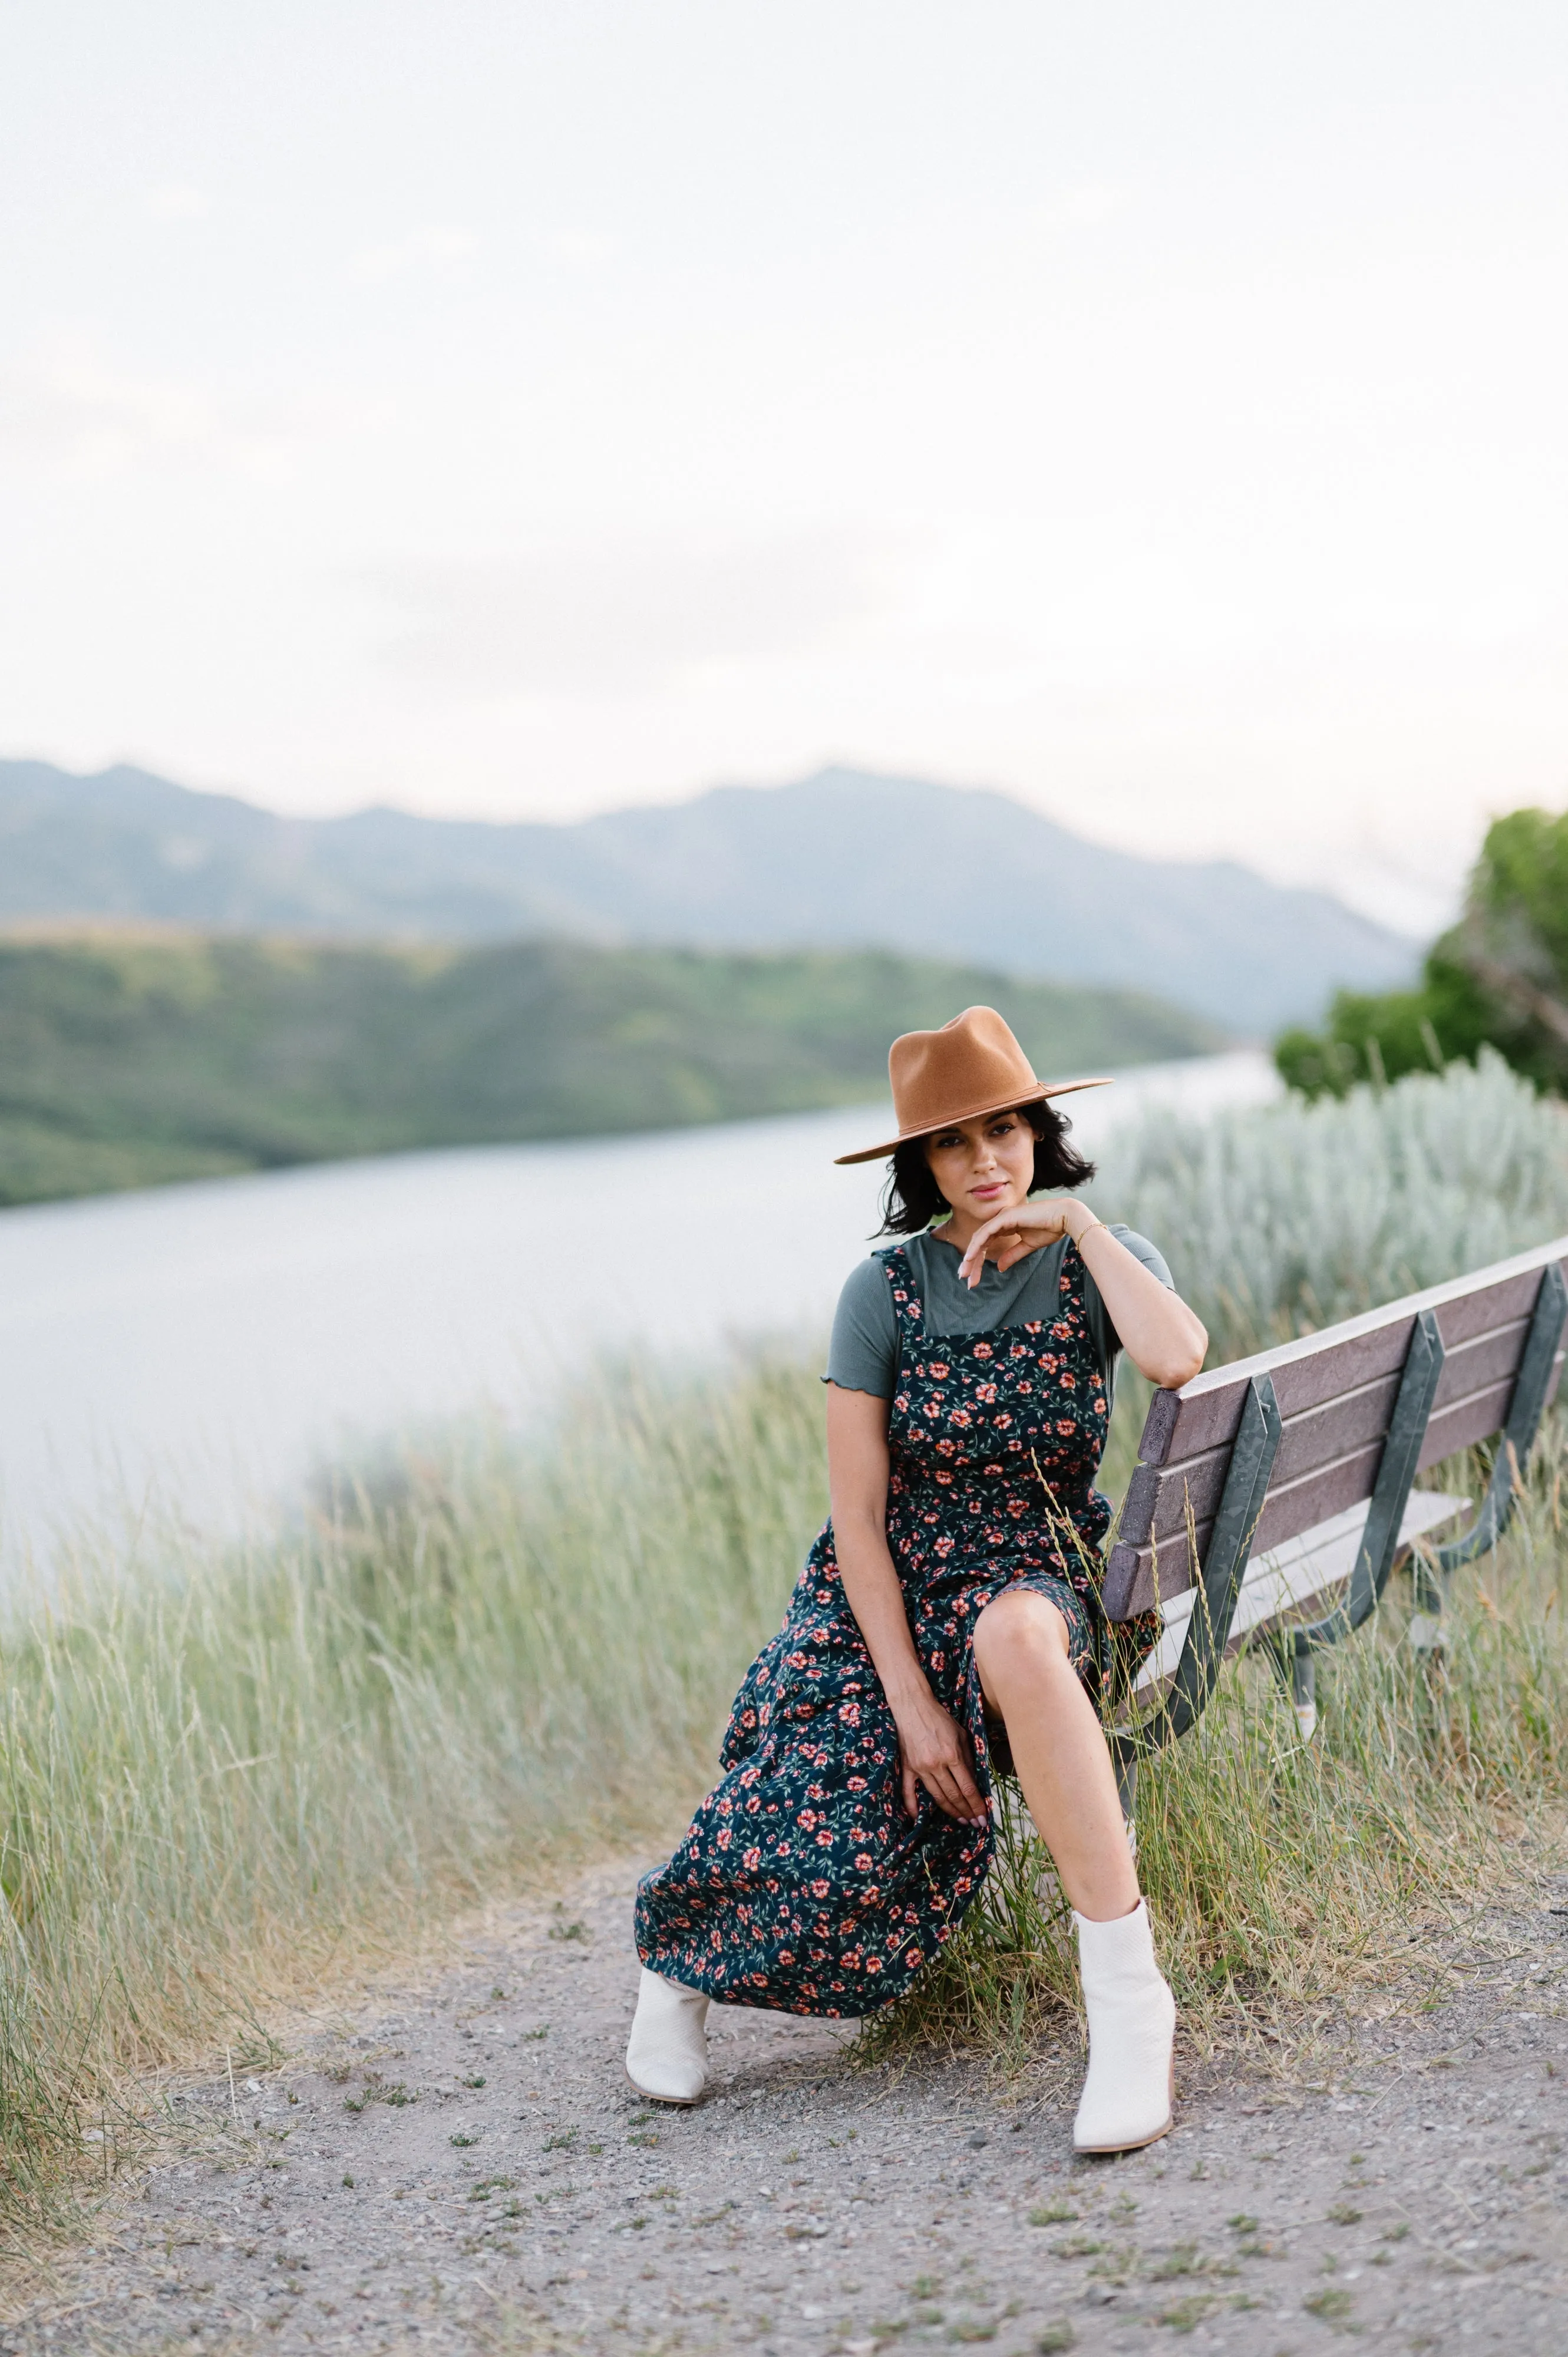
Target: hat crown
(974, 1065)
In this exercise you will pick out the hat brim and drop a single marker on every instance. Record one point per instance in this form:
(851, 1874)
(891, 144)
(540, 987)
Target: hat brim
(972, 1113)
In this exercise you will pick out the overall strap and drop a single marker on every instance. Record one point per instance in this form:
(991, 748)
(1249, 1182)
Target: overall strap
(909, 1305)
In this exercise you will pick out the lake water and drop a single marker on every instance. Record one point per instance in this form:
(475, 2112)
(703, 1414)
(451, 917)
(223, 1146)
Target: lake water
(208, 1343)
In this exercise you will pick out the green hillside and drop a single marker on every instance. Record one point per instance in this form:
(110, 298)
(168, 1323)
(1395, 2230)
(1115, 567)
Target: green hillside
(128, 1059)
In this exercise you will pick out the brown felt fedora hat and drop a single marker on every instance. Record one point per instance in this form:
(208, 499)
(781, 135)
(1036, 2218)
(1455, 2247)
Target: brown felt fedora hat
(972, 1066)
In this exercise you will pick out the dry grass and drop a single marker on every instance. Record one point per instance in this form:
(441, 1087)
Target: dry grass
(1281, 1870)
(220, 1768)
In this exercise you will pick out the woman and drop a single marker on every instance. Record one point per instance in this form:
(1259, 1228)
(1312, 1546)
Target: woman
(947, 1615)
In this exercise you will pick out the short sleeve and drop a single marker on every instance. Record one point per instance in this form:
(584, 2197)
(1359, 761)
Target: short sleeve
(1107, 1341)
(862, 1355)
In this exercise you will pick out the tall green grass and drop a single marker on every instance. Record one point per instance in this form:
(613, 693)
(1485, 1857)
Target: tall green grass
(223, 1768)
(219, 1769)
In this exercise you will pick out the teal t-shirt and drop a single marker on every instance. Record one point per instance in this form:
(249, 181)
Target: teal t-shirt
(862, 1355)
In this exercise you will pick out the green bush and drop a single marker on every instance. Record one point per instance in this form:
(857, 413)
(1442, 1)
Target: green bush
(1499, 978)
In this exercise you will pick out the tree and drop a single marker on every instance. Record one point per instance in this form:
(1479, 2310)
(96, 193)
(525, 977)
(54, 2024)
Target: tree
(1499, 976)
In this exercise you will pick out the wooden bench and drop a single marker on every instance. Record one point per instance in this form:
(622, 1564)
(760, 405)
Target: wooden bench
(1283, 1486)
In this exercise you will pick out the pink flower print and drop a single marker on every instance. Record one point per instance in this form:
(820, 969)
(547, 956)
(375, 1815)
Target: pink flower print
(986, 1391)
(1018, 1351)
(1064, 1424)
(807, 1819)
(725, 1833)
(932, 1409)
(962, 1418)
(821, 1889)
(1068, 1382)
(1025, 1387)
(856, 1784)
(865, 1862)
(825, 1839)
(942, 1373)
(751, 1859)
(983, 1350)
(944, 1547)
(849, 1712)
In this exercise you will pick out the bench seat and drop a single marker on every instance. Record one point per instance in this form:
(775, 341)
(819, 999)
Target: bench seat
(1291, 1576)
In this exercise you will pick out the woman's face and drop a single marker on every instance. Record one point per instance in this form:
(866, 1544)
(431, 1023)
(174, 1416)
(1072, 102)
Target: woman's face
(983, 1166)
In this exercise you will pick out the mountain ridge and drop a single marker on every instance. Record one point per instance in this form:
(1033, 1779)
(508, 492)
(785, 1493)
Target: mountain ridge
(841, 859)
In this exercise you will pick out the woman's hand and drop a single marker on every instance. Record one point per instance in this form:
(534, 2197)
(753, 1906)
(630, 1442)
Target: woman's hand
(1012, 1235)
(934, 1750)
(1165, 1340)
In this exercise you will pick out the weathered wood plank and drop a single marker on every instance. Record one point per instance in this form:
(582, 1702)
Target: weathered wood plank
(1131, 1570)
(1464, 1422)
(1157, 1496)
(1316, 1367)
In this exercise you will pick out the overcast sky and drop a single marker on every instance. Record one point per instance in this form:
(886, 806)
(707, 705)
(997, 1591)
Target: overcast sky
(522, 407)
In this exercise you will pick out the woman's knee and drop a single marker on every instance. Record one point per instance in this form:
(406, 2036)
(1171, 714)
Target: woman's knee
(1020, 1636)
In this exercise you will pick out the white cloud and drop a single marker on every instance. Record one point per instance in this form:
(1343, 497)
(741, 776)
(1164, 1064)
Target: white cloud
(575, 249)
(1084, 206)
(431, 248)
(634, 616)
(175, 202)
(69, 402)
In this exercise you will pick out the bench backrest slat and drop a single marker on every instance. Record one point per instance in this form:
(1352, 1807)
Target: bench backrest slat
(1336, 1392)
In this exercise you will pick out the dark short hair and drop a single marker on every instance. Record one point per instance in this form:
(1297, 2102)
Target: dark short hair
(912, 1199)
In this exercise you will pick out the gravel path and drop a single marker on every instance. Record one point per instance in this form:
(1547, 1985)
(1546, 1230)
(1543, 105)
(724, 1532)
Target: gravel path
(466, 2170)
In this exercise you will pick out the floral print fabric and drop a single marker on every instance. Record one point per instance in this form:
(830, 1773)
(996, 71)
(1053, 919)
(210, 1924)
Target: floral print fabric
(802, 1885)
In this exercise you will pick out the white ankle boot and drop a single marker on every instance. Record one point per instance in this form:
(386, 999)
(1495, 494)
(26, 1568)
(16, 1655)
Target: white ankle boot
(668, 2054)
(1127, 2096)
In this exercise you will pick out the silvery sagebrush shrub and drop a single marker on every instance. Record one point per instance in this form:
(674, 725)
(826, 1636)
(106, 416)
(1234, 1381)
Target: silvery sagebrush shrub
(1281, 1217)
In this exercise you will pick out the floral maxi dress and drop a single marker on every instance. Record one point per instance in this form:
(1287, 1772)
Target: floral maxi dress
(803, 1885)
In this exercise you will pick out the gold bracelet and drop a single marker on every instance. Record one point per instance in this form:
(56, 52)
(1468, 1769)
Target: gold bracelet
(1088, 1231)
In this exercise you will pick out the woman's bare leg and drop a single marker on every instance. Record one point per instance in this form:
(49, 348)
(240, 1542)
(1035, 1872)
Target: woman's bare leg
(1064, 1765)
(1059, 1752)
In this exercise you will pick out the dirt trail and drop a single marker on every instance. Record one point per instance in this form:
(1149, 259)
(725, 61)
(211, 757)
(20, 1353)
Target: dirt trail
(468, 2172)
